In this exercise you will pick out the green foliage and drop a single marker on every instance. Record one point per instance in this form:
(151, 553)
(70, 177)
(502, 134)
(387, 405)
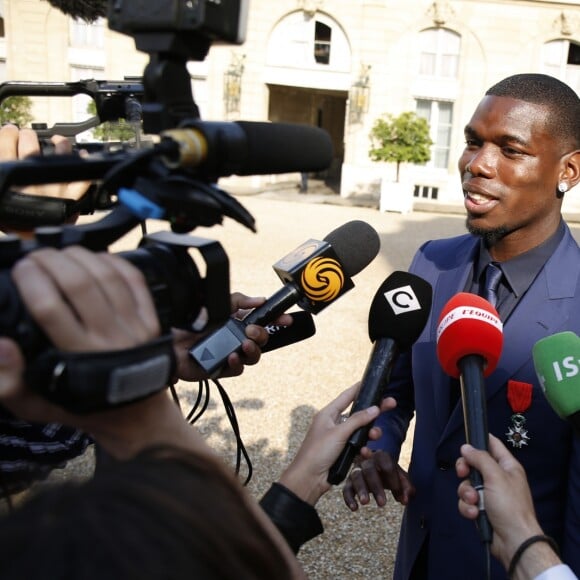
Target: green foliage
(16, 110)
(111, 131)
(402, 139)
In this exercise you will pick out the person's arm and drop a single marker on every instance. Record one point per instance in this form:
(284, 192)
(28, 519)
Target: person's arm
(518, 540)
(380, 470)
(290, 502)
(570, 544)
(558, 572)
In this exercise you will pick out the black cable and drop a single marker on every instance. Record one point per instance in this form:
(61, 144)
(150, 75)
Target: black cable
(195, 414)
(240, 447)
(200, 391)
(175, 396)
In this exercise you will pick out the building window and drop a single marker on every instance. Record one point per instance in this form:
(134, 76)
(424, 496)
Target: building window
(439, 53)
(439, 115)
(561, 59)
(85, 35)
(426, 192)
(308, 43)
(322, 35)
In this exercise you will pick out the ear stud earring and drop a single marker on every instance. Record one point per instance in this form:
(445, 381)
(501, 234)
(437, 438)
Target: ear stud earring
(562, 187)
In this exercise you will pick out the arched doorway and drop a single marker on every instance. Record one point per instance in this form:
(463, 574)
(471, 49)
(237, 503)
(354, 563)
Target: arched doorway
(308, 76)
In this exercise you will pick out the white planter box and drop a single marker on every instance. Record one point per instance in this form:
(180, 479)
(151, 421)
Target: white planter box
(396, 196)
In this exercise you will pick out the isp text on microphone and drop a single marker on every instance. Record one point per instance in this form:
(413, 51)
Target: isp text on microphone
(566, 369)
(468, 313)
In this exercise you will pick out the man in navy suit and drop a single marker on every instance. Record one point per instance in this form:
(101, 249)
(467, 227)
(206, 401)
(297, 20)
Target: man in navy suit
(522, 154)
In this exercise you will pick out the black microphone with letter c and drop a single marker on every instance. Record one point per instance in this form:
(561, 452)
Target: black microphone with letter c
(398, 314)
(314, 275)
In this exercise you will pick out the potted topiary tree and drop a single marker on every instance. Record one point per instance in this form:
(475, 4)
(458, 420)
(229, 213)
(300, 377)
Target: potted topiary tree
(402, 139)
(16, 110)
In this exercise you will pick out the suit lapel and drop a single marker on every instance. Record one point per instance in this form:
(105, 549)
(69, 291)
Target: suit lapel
(449, 282)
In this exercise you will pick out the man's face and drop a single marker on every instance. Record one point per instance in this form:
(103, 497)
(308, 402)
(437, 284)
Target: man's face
(509, 170)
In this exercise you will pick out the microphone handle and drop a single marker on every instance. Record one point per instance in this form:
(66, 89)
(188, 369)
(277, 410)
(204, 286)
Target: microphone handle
(476, 432)
(375, 378)
(277, 304)
(212, 352)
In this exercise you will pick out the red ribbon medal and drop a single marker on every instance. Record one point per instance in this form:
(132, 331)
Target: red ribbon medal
(519, 396)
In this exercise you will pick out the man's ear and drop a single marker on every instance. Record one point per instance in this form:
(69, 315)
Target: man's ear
(571, 166)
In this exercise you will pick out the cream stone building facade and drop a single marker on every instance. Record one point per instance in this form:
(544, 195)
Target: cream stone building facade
(337, 64)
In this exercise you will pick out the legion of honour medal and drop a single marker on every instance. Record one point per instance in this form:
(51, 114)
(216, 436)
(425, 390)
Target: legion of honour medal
(519, 397)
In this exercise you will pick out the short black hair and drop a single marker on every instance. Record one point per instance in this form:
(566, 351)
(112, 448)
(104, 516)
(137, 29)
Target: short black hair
(542, 89)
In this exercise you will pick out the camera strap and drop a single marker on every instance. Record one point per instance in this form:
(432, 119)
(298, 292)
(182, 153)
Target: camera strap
(86, 382)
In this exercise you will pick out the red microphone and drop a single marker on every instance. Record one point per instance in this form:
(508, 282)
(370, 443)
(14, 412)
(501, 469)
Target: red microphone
(469, 325)
(469, 343)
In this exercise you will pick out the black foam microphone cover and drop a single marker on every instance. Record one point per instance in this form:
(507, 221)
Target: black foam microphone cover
(284, 147)
(87, 10)
(356, 243)
(400, 309)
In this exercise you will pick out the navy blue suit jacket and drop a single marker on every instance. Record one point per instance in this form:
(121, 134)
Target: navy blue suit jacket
(552, 457)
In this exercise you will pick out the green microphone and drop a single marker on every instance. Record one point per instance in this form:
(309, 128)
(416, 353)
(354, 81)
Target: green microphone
(557, 364)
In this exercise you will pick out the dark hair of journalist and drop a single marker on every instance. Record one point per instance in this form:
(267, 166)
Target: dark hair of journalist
(164, 514)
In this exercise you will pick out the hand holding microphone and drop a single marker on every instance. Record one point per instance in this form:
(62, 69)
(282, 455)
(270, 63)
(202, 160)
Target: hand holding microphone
(398, 314)
(314, 275)
(557, 364)
(469, 344)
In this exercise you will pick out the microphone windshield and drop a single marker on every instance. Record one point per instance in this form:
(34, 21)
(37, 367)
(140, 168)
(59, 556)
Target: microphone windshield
(469, 325)
(557, 364)
(88, 10)
(356, 244)
(284, 148)
(400, 309)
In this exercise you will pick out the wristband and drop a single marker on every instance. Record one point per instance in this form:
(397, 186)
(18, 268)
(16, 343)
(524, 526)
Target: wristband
(525, 545)
(84, 382)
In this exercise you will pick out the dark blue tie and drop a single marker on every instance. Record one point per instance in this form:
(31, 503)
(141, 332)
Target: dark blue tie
(493, 275)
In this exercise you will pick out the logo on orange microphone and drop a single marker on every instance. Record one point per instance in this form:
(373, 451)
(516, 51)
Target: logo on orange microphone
(322, 279)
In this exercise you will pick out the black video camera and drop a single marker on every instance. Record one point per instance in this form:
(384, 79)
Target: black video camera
(140, 184)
